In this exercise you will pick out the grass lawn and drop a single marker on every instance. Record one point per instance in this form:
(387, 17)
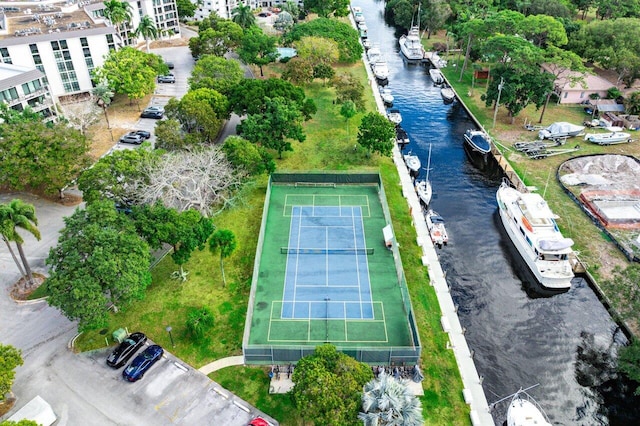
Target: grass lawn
(330, 145)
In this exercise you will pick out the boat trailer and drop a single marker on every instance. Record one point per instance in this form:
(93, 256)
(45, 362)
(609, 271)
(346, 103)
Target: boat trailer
(542, 149)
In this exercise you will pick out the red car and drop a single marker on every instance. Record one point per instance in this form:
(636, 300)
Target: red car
(259, 421)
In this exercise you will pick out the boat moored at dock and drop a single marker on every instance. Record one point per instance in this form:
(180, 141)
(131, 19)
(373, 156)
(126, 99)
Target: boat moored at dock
(532, 228)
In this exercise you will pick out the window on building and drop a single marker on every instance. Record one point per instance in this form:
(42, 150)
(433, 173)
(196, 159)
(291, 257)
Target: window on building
(87, 54)
(9, 95)
(6, 58)
(65, 66)
(31, 87)
(581, 95)
(110, 42)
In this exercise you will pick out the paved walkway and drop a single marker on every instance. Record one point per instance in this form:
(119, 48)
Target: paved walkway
(221, 363)
(473, 392)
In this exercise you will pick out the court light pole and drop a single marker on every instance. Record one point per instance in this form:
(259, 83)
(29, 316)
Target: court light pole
(170, 336)
(326, 316)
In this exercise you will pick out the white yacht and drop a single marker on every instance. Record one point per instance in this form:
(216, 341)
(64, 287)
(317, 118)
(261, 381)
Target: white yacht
(525, 411)
(531, 226)
(394, 116)
(413, 163)
(380, 69)
(410, 44)
(436, 76)
(437, 231)
(386, 95)
(374, 54)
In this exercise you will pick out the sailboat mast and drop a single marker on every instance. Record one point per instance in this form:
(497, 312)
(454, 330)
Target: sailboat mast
(428, 163)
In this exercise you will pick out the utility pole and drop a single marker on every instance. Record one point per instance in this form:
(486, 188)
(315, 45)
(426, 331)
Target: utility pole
(495, 112)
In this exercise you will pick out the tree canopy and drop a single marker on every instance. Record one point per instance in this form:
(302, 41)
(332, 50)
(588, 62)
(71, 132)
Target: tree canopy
(248, 156)
(200, 113)
(10, 359)
(38, 155)
(250, 96)
(326, 8)
(216, 73)
(100, 263)
(275, 126)
(131, 72)
(343, 34)
(257, 48)
(387, 401)
(328, 386)
(216, 36)
(376, 133)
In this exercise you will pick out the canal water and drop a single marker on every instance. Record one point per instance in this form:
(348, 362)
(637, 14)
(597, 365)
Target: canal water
(566, 343)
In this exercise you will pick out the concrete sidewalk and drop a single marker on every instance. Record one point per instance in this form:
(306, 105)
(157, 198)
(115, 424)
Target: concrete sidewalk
(221, 363)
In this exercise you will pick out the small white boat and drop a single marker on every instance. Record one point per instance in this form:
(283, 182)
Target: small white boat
(524, 411)
(436, 76)
(561, 129)
(381, 70)
(374, 54)
(394, 116)
(366, 43)
(357, 14)
(386, 95)
(362, 26)
(478, 141)
(532, 228)
(608, 138)
(437, 231)
(448, 95)
(423, 187)
(413, 163)
(435, 59)
(424, 191)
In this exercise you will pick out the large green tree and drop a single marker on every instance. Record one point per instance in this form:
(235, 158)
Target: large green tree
(388, 401)
(131, 72)
(216, 73)
(219, 38)
(328, 387)
(200, 112)
(247, 156)
(186, 8)
(318, 50)
(10, 359)
(37, 155)
(103, 95)
(349, 88)
(170, 136)
(14, 216)
(250, 96)
(376, 133)
(257, 48)
(100, 263)
(116, 177)
(275, 126)
(185, 231)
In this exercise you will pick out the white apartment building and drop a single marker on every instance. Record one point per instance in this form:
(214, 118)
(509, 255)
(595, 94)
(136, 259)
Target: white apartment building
(66, 41)
(224, 8)
(21, 87)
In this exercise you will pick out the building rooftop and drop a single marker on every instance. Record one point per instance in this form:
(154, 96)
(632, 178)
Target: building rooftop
(40, 19)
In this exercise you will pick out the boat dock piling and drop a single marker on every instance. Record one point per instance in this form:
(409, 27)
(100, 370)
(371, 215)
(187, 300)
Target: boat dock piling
(473, 392)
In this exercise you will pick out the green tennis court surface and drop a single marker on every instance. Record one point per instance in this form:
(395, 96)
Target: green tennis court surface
(324, 274)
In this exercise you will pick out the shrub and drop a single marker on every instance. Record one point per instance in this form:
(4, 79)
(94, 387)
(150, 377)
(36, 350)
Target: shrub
(199, 321)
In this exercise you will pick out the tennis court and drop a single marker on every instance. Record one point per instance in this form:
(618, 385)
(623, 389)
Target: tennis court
(324, 274)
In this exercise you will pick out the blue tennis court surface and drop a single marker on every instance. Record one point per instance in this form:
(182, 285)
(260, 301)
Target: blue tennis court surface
(327, 272)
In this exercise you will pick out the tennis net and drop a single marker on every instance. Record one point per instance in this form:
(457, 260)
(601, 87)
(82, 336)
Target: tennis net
(292, 250)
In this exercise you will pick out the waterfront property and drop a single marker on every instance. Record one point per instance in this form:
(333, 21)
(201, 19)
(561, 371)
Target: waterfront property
(323, 273)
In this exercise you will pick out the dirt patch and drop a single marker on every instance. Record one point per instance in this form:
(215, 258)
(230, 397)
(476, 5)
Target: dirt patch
(19, 290)
(169, 43)
(6, 405)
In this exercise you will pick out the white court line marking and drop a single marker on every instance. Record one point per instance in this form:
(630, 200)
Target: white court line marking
(326, 260)
(364, 241)
(355, 243)
(295, 286)
(286, 268)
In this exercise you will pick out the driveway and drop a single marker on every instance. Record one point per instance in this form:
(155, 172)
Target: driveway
(80, 387)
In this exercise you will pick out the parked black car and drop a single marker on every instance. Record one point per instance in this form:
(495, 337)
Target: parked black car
(126, 349)
(143, 134)
(131, 137)
(156, 112)
(143, 362)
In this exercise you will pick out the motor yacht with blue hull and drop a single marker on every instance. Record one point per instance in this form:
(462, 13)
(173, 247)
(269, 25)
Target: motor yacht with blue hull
(478, 140)
(532, 228)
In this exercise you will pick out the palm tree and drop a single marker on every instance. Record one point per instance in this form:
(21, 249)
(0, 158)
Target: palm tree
(243, 16)
(103, 94)
(147, 29)
(18, 214)
(388, 402)
(117, 12)
(225, 241)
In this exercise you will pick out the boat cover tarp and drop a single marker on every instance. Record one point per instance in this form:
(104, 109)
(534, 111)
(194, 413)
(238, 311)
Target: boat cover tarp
(556, 245)
(560, 129)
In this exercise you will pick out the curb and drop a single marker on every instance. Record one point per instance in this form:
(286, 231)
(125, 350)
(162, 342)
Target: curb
(72, 343)
(30, 302)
